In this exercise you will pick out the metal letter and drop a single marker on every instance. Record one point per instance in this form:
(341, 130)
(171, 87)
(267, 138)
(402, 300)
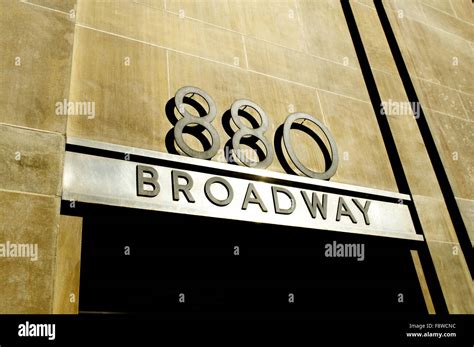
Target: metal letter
(343, 210)
(364, 210)
(275, 191)
(142, 180)
(315, 203)
(254, 200)
(212, 198)
(185, 188)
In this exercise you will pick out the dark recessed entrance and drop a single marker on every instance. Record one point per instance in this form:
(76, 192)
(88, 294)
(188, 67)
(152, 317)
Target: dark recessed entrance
(172, 254)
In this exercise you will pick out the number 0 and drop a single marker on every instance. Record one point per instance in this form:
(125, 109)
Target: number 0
(291, 153)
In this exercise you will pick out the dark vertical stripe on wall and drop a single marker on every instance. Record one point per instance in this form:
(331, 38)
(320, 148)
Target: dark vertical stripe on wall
(430, 144)
(395, 161)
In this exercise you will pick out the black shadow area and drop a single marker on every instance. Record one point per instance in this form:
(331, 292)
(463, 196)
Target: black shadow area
(172, 254)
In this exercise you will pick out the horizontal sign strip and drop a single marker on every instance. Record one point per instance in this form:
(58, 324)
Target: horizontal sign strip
(94, 179)
(262, 174)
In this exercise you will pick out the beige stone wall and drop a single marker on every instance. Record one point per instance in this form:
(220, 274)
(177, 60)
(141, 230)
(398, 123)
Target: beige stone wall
(436, 38)
(130, 56)
(437, 41)
(429, 39)
(284, 56)
(35, 60)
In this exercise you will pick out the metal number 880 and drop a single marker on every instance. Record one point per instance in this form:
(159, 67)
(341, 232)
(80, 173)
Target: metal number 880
(245, 132)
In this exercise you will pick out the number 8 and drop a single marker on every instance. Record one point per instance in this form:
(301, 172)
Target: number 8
(245, 131)
(188, 119)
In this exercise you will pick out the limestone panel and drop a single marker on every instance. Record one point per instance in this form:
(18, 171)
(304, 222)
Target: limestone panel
(60, 5)
(453, 274)
(449, 23)
(127, 81)
(326, 31)
(407, 8)
(437, 55)
(424, 286)
(363, 158)
(368, 3)
(435, 219)
(160, 4)
(303, 68)
(273, 21)
(441, 99)
(31, 161)
(35, 59)
(468, 103)
(463, 9)
(441, 5)
(68, 265)
(454, 138)
(466, 208)
(410, 146)
(221, 13)
(373, 38)
(27, 285)
(165, 29)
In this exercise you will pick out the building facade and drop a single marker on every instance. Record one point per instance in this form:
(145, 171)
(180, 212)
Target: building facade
(391, 80)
